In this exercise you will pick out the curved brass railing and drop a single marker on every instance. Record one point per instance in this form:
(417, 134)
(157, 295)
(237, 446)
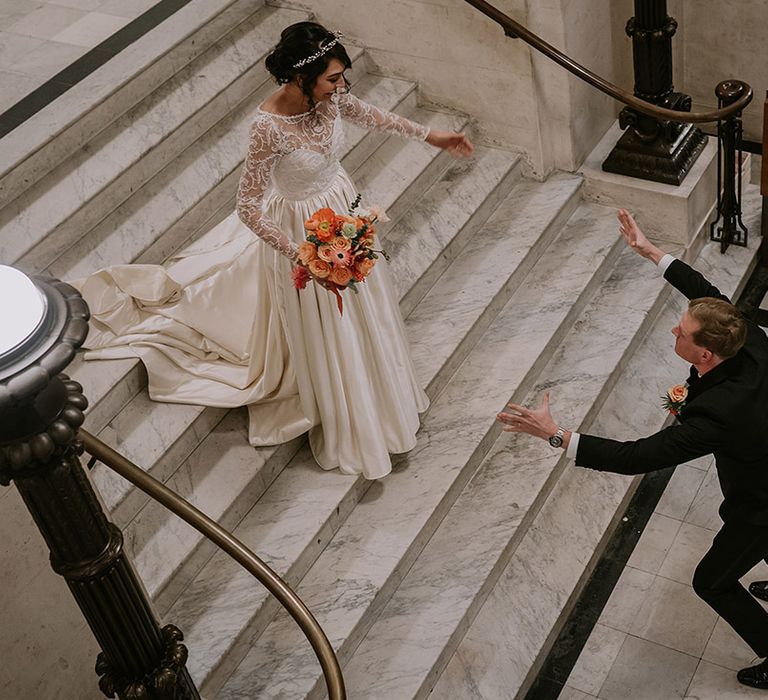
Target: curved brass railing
(232, 546)
(515, 30)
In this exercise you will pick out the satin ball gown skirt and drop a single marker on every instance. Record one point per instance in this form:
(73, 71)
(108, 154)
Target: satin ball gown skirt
(221, 325)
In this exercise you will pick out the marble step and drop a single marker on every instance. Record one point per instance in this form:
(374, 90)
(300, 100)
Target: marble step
(411, 500)
(514, 629)
(163, 215)
(59, 130)
(160, 552)
(486, 273)
(62, 207)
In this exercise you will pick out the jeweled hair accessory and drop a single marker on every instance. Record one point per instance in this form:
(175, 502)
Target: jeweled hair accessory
(325, 46)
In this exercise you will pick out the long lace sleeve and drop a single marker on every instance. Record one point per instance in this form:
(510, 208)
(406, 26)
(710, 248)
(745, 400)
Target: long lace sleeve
(254, 181)
(353, 109)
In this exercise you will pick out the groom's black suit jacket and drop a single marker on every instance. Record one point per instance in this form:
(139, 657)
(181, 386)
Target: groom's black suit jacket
(726, 414)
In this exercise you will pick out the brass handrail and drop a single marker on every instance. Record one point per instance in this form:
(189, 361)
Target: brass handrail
(515, 30)
(232, 546)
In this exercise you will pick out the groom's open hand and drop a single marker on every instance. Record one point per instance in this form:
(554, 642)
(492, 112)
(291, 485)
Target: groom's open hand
(636, 239)
(537, 422)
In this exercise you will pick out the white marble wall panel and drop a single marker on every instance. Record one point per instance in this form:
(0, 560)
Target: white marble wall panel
(724, 41)
(41, 629)
(461, 59)
(521, 99)
(669, 214)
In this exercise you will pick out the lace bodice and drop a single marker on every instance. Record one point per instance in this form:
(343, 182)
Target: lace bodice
(298, 157)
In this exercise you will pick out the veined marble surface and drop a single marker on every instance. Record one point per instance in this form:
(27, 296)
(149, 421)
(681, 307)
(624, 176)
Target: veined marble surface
(224, 476)
(91, 183)
(354, 576)
(451, 578)
(455, 209)
(60, 129)
(488, 271)
(511, 630)
(144, 432)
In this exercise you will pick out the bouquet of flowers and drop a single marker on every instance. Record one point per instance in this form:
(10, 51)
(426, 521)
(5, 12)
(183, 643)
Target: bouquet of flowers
(338, 249)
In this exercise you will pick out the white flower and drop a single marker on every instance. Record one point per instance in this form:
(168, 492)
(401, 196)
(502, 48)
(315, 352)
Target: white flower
(378, 213)
(348, 230)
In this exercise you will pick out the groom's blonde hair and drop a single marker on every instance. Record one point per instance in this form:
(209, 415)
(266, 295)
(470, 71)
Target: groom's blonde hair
(723, 329)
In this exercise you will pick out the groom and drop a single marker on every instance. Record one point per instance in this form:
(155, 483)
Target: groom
(725, 413)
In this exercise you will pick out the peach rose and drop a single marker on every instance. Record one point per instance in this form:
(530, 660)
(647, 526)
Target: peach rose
(325, 252)
(363, 266)
(341, 276)
(319, 268)
(307, 252)
(677, 393)
(340, 243)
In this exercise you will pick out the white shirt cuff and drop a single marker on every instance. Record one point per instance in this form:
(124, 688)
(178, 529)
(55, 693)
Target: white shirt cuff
(573, 446)
(665, 262)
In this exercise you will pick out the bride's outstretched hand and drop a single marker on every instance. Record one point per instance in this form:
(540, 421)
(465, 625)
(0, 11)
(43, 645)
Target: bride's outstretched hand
(456, 144)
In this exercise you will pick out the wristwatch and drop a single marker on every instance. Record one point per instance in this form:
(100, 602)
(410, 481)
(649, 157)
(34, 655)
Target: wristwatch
(556, 440)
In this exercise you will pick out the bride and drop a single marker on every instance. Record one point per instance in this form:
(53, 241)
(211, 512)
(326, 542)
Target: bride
(222, 325)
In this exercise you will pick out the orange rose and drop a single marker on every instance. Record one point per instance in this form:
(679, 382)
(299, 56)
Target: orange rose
(307, 252)
(319, 268)
(341, 276)
(677, 393)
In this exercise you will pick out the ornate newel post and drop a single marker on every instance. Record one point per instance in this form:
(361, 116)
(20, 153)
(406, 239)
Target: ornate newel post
(728, 228)
(653, 149)
(40, 411)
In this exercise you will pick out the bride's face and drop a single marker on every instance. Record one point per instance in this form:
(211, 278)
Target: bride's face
(332, 78)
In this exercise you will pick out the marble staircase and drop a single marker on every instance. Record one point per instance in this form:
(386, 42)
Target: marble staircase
(507, 286)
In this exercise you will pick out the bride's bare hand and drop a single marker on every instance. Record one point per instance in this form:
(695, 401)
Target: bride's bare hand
(456, 144)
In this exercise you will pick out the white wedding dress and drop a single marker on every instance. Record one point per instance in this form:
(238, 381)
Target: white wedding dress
(222, 325)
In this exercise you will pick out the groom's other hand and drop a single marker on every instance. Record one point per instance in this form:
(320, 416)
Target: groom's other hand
(636, 239)
(533, 421)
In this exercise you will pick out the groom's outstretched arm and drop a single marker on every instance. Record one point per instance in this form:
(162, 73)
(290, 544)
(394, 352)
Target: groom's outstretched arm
(681, 276)
(691, 282)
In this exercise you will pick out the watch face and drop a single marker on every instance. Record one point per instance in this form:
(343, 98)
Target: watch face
(555, 441)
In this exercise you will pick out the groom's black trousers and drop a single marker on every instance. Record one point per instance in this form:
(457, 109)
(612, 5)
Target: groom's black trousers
(735, 550)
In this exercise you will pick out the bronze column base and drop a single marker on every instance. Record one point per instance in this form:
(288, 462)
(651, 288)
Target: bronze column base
(660, 161)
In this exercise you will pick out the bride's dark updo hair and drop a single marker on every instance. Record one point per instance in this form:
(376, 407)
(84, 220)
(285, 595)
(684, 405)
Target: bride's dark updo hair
(298, 42)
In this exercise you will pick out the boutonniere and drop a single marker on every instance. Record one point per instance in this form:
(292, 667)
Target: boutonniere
(674, 399)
